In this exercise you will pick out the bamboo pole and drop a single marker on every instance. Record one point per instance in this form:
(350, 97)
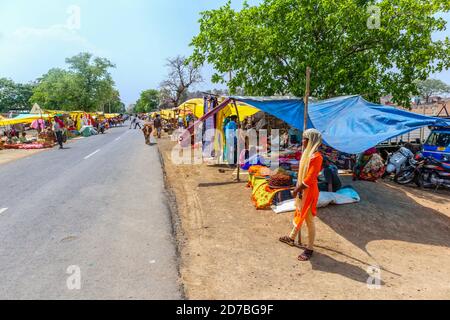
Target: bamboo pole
(306, 99)
(238, 178)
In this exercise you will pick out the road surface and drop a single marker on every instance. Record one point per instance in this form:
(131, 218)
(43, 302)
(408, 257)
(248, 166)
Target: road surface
(88, 222)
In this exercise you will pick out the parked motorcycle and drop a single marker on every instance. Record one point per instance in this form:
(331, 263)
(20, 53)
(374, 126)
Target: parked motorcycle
(433, 173)
(409, 172)
(426, 172)
(398, 161)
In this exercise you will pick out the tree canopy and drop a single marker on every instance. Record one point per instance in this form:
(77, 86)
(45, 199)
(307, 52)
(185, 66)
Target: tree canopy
(268, 47)
(148, 101)
(429, 87)
(14, 95)
(87, 85)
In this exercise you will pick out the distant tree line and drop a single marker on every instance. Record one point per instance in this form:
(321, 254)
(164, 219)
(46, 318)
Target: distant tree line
(85, 85)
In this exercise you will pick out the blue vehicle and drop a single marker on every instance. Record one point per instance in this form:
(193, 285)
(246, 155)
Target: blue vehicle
(438, 145)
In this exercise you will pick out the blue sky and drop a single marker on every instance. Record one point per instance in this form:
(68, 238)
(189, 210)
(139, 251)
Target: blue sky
(137, 35)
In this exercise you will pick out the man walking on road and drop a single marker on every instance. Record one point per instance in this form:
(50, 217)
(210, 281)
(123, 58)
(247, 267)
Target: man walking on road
(132, 121)
(58, 126)
(137, 123)
(158, 125)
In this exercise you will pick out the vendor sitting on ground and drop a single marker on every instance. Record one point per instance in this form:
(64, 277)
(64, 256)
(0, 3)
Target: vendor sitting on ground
(332, 181)
(23, 138)
(369, 166)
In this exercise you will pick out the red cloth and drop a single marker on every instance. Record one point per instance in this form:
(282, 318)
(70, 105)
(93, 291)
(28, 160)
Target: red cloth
(60, 122)
(370, 152)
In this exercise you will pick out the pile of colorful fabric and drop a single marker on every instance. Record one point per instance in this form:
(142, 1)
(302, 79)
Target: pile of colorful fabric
(11, 146)
(257, 172)
(28, 146)
(266, 185)
(34, 146)
(369, 166)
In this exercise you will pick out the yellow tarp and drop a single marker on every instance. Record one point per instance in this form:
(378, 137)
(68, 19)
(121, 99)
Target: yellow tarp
(230, 110)
(245, 111)
(111, 115)
(167, 114)
(194, 106)
(22, 119)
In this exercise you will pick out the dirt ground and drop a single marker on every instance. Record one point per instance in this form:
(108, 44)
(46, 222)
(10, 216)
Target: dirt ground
(230, 250)
(8, 155)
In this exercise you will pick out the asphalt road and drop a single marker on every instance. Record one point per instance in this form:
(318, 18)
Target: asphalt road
(88, 222)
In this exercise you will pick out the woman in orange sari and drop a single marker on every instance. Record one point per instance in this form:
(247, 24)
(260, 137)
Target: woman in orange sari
(307, 192)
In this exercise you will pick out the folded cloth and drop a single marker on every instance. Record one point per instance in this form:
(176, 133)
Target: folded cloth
(345, 195)
(263, 195)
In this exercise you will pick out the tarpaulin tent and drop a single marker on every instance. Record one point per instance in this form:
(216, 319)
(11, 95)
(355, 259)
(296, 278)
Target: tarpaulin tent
(349, 124)
(167, 114)
(36, 109)
(106, 115)
(194, 106)
(22, 119)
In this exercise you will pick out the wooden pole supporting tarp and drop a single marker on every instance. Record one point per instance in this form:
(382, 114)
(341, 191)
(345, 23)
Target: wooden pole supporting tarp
(238, 178)
(306, 101)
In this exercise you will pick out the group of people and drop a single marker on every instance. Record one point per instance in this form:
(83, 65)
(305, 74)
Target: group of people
(49, 131)
(185, 122)
(56, 129)
(13, 136)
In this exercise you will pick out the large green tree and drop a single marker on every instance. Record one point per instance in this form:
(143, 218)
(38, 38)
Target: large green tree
(115, 104)
(148, 101)
(267, 48)
(56, 90)
(432, 86)
(87, 85)
(92, 80)
(14, 95)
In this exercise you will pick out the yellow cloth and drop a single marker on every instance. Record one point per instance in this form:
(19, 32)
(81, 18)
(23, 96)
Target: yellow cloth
(262, 195)
(28, 119)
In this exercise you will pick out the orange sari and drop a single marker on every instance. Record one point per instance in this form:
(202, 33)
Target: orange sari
(310, 195)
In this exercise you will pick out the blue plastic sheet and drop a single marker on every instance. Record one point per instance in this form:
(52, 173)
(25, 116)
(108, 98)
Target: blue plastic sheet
(290, 111)
(349, 124)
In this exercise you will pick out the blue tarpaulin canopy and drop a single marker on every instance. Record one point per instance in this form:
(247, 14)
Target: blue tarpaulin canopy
(349, 124)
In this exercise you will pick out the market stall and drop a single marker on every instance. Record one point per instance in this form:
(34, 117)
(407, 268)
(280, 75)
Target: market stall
(349, 125)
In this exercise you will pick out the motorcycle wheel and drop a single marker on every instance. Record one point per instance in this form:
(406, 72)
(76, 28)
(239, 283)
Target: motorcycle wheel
(404, 177)
(418, 180)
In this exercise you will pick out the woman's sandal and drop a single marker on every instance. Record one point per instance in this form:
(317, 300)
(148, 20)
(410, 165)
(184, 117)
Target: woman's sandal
(306, 255)
(288, 241)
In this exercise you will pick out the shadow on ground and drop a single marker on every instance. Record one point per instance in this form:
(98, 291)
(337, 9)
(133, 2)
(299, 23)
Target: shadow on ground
(386, 212)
